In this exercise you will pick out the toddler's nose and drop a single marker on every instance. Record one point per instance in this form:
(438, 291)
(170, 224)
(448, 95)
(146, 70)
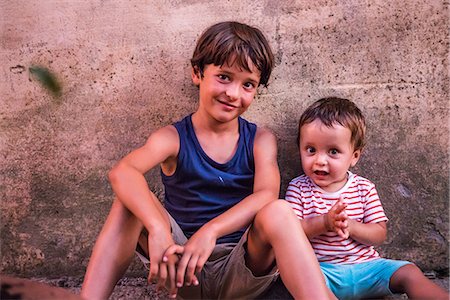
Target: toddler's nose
(321, 159)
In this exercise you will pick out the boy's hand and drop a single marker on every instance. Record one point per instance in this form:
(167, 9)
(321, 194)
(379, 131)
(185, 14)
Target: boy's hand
(177, 251)
(168, 272)
(162, 268)
(195, 254)
(337, 220)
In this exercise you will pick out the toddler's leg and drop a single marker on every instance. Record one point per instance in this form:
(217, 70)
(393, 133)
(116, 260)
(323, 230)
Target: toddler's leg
(276, 234)
(409, 279)
(112, 253)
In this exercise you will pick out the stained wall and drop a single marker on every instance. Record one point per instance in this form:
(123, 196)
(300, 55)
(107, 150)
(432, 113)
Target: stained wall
(124, 69)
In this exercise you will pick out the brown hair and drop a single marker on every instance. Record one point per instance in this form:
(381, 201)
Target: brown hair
(337, 110)
(233, 42)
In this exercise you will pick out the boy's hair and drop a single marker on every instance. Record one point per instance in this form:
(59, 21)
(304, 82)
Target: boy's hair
(233, 42)
(337, 110)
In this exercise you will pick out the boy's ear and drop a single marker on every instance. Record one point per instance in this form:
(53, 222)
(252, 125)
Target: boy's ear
(355, 158)
(196, 75)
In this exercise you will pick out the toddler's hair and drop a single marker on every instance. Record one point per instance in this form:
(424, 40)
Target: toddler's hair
(334, 110)
(233, 42)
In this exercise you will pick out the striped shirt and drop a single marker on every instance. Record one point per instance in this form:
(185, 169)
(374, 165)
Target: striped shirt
(308, 200)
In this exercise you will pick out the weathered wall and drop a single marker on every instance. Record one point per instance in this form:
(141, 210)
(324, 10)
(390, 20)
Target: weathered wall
(124, 66)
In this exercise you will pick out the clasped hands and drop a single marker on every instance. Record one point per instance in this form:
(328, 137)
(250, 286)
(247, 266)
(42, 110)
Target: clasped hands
(336, 220)
(174, 266)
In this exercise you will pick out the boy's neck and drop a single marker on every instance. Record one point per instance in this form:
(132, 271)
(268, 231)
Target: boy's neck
(205, 123)
(218, 140)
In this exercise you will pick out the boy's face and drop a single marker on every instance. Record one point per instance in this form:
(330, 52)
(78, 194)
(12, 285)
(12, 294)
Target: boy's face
(326, 154)
(226, 91)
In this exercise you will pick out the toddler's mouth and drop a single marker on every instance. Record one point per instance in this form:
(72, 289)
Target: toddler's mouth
(320, 173)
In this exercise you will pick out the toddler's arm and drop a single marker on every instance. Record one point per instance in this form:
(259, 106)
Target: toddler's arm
(372, 230)
(372, 234)
(335, 220)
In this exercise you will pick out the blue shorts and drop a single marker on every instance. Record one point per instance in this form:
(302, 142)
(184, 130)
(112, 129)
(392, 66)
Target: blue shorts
(361, 280)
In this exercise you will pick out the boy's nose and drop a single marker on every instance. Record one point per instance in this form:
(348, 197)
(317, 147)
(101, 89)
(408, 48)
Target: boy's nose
(233, 91)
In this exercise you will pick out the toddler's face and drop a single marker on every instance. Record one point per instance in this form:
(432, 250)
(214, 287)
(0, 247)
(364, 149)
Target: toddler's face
(326, 154)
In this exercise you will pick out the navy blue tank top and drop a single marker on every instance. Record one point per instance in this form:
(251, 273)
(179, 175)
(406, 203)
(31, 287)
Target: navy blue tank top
(201, 189)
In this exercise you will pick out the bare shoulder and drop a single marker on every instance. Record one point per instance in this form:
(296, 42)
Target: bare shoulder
(165, 139)
(162, 146)
(265, 146)
(167, 131)
(267, 173)
(265, 138)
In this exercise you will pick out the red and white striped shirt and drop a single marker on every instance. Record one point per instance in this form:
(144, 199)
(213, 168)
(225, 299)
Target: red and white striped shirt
(308, 200)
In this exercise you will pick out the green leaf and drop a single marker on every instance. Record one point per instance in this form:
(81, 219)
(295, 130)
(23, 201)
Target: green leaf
(47, 79)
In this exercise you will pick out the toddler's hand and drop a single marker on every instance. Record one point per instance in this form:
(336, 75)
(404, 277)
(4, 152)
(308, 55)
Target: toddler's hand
(337, 220)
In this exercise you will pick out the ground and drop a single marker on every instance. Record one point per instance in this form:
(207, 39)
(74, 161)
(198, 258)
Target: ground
(130, 288)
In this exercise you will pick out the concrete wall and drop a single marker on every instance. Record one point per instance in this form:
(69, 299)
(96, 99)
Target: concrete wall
(124, 67)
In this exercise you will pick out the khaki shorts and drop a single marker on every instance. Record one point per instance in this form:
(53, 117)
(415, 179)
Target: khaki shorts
(224, 275)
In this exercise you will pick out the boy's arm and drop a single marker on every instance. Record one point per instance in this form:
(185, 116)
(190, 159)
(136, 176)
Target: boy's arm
(129, 184)
(128, 181)
(266, 188)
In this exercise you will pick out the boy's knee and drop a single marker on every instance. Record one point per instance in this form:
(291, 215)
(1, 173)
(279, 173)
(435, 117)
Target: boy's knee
(273, 215)
(281, 208)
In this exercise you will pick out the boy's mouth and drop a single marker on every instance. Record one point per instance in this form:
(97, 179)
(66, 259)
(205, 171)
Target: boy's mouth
(227, 104)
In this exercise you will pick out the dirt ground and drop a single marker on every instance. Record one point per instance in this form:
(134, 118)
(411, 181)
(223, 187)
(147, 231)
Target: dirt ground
(129, 288)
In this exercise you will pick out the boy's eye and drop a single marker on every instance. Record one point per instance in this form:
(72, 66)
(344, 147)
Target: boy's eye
(223, 77)
(310, 150)
(249, 85)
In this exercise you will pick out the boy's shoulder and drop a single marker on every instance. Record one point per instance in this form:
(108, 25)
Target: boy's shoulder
(263, 135)
(164, 139)
(182, 122)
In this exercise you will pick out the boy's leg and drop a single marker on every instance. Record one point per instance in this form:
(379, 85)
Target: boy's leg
(276, 234)
(409, 279)
(112, 253)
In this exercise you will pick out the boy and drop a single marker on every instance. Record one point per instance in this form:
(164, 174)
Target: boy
(219, 232)
(340, 211)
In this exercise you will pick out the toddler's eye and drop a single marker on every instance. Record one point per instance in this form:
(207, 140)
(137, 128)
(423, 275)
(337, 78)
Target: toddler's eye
(334, 151)
(310, 150)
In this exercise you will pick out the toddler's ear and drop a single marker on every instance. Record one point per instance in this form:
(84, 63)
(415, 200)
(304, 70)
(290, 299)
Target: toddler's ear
(196, 75)
(355, 158)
